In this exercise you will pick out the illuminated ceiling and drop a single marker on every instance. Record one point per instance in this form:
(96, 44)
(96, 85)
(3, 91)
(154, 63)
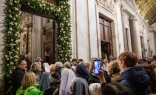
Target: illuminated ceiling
(147, 10)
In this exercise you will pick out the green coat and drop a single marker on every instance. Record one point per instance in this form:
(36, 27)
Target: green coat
(32, 90)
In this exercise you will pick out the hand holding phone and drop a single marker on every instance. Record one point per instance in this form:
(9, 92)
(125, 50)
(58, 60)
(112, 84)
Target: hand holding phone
(97, 67)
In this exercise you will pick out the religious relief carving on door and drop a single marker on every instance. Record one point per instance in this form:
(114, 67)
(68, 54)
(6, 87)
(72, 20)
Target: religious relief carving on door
(109, 4)
(26, 34)
(48, 36)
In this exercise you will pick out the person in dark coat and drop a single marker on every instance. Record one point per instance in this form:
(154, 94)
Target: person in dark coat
(54, 84)
(29, 63)
(17, 75)
(134, 77)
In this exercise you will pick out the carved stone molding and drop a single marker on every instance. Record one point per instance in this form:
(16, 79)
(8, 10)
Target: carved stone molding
(109, 4)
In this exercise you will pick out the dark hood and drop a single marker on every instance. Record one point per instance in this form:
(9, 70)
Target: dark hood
(137, 75)
(81, 71)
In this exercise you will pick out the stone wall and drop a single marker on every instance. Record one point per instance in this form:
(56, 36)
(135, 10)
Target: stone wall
(1, 44)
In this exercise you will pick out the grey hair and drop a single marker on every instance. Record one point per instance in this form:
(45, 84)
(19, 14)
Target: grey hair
(67, 65)
(58, 64)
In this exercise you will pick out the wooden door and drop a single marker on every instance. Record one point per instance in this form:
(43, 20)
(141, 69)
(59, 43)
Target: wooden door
(106, 38)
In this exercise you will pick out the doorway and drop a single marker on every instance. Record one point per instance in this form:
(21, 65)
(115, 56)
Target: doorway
(106, 38)
(49, 36)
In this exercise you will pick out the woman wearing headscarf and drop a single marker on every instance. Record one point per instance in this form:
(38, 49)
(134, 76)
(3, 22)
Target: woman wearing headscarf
(67, 75)
(82, 71)
(79, 86)
(45, 81)
(46, 67)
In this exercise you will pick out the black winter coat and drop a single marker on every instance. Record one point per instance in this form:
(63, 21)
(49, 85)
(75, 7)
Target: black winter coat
(16, 79)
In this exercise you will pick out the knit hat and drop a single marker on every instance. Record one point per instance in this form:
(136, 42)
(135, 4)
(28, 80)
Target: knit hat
(54, 77)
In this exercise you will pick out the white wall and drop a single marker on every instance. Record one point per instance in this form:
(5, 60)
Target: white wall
(1, 40)
(84, 29)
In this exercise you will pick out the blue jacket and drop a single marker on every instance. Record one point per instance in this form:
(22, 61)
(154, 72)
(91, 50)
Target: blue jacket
(137, 80)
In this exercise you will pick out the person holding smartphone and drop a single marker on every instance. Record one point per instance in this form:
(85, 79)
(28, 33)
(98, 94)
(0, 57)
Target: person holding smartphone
(95, 68)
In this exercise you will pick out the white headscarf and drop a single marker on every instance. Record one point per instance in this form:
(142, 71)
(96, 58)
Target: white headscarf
(46, 67)
(95, 89)
(67, 75)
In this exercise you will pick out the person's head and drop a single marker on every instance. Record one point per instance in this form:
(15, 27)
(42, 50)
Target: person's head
(113, 67)
(74, 61)
(22, 63)
(127, 59)
(149, 60)
(105, 60)
(52, 67)
(67, 65)
(21, 57)
(115, 88)
(95, 89)
(111, 58)
(58, 64)
(34, 67)
(87, 64)
(81, 71)
(38, 59)
(29, 79)
(79, 61)
(54, 77)
(151, 73)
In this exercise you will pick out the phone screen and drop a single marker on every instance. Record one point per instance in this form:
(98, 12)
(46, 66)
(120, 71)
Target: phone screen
(97, 66)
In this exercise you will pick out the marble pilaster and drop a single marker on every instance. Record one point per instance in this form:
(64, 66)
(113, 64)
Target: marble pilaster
(120, 45)
(93, 29)
(82, 30)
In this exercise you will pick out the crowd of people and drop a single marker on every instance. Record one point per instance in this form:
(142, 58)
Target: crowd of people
(125, 75)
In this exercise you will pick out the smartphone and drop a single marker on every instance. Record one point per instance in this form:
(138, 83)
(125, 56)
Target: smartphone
(97, 66)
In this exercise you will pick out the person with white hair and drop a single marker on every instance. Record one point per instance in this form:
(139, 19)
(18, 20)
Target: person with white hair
(95, 89)
(67, 65)
(59, 67)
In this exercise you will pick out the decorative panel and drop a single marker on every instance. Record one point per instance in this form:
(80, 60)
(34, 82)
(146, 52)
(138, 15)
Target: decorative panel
(109, 4)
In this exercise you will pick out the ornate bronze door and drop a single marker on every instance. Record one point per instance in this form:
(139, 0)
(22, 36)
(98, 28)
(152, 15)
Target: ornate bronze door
(49, 42)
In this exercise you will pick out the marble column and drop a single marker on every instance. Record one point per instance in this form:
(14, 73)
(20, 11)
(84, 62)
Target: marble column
(133, 32)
